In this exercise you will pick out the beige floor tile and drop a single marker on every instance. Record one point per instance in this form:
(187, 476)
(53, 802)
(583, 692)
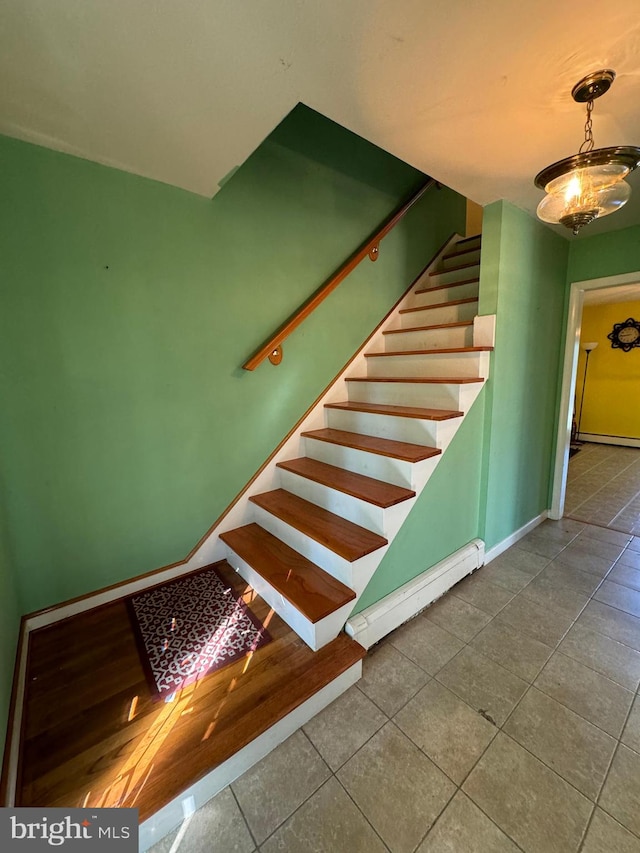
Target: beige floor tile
(463, 828)
(618, 662)
(515, 651)
(328, 822)
(603, 534)
(274, 788)
(621, 793)
(564, 575)
(568, 744)
(390, 679)
(508, 577)
(217, 827)
(543, 624)
(594, 697)
(484, 685)
(340, 730)
(621, 597)
(611, 622)
(446, 729)
(538, 809)
(461, 619)
(399, 790)
(630, 558)
(424, 643)
(605, 835)
(526, 562)
(546, 592)
(584, 558)
(625, 575)
(561, 528)
(631, 734)
(483, 594)
(544, 546)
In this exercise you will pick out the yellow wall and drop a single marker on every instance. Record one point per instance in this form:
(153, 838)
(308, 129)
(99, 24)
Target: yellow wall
(612, 394)
(474, 219)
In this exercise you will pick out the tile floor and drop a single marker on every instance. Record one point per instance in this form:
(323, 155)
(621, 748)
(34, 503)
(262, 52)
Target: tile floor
(603, 487)
(505, 717)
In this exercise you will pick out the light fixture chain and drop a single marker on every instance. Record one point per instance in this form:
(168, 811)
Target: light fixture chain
(587, 145)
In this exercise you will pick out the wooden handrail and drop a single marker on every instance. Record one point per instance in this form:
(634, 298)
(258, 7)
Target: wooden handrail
(272, 349)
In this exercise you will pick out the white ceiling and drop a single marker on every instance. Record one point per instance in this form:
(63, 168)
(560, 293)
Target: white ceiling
(476, 94)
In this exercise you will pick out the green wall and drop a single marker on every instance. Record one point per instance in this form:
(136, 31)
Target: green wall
(128, 424)
(523, 281)
(9, 624)
(614, 253)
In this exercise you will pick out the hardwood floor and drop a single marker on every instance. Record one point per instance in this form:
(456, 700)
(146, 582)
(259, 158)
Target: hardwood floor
(93, 735)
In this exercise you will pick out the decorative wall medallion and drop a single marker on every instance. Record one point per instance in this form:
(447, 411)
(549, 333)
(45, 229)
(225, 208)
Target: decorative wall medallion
(625, 336)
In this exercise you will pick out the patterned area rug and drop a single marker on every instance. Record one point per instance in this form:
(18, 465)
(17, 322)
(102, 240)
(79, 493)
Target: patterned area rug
(189, 627)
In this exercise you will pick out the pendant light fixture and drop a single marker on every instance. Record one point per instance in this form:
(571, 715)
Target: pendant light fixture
(591, 183)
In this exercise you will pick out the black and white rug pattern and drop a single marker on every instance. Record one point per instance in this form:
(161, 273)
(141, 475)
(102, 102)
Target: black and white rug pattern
(192, 626)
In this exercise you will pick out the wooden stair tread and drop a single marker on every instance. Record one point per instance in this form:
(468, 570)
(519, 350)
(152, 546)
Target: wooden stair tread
(397, 411)
(440, 305)
(440, 380)
(380, 446)
(348, 540)
(428, 351)
(429, 328)
(358, 486)
(455, 269)
(310, 589)
(447, 286)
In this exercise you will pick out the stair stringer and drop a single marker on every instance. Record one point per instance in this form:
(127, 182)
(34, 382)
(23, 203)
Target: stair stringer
(387, 521)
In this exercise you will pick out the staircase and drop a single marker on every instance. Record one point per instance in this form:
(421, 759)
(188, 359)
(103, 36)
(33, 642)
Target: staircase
(315, 524)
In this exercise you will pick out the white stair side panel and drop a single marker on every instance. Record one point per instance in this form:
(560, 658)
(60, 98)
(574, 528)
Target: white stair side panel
(450, 336)
(463, 255)
(436, 395)
(314, 634)
(445, 276)
(412, 430)
(335, 565)
(395, 471)
(443, 314)
(438, 295)
(484, 330)
(454, 364)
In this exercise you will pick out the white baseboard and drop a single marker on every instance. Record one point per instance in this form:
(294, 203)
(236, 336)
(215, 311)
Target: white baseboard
(374, 623)
(519, 534)
(620, 440)
(180, 809)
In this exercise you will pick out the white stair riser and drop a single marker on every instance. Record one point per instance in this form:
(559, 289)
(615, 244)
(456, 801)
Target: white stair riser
(360, 512)
(434, 316)
(438, 295)
(453, 364)
(385, 468)
(315, 634)
(436, 395)
(447, 276)
(456, 336)
(412, 430)
(395, 471)
(467, 243)
(469, 256)
(332, 563)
